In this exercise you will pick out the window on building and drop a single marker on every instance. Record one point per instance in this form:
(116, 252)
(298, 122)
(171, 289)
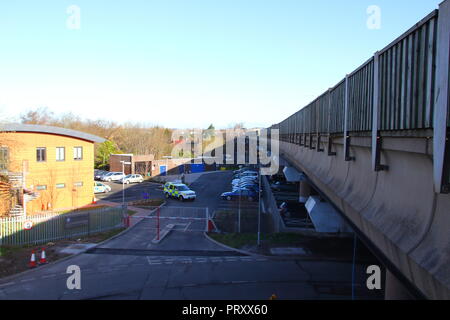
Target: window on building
(60, 153)
(78, 184)
(77, 153)
(60, 185)
(4, 158)
(41, 154)
(41, 187)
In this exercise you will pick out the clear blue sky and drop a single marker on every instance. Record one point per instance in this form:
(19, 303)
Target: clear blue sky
(187, 63)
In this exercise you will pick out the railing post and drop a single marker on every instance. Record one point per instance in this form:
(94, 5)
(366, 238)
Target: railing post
(376, 138)
(441, 144)
(330, 139)
(347, 156)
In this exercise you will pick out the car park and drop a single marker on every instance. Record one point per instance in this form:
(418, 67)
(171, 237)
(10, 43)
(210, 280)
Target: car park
(240, 181)
(101, 187)
(246, 185)
(112, 176)
(283, 186)
(131, 178)
(246, 174)
(244, 169)
(99, 174)
(243, 193)
(245, 182)
(179, 191)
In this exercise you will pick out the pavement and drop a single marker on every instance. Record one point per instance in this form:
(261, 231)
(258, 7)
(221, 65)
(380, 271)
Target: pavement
(186, 265)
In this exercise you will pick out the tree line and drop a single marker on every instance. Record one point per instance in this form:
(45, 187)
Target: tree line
(129, 137)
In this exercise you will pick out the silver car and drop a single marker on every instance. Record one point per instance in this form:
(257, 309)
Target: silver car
(132, 178)
(112, 176)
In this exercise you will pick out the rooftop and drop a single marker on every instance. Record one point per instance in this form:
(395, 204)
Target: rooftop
(18, 127)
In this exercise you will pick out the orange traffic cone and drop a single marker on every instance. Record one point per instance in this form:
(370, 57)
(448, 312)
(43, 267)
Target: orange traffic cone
(211, 226)
(43, 259)
(32, 263)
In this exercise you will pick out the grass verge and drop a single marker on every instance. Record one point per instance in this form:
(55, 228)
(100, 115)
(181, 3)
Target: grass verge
(241, 240)
(15, 259)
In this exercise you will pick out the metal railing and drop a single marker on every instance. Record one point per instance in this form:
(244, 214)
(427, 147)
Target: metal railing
(56, 226)
(406, 80)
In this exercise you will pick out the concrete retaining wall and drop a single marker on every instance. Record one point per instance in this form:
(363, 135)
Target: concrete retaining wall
(397, 209)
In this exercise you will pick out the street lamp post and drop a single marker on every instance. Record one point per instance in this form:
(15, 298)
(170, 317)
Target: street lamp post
(123, 184)
(239, 211)
(259, 207)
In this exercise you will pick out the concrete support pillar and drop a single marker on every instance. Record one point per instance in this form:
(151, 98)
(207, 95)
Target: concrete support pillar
(394, 289)
(304, 191)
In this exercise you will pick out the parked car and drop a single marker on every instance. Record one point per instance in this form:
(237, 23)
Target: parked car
(246, 185)
(243, 169)
(179, 191)
(243, 180)
(99, 174)
(280, 186)
(243, 193)
(101, 187)
(254, 188)
(131, 178)
(246, 174)
(112, 176)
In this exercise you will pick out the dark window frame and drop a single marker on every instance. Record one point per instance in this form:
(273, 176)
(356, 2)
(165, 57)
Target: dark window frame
(4, 158)
(39, 154)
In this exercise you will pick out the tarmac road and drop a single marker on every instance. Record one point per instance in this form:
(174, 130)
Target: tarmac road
(186, 265)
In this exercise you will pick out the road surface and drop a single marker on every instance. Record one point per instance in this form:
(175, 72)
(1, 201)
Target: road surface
(186, 265)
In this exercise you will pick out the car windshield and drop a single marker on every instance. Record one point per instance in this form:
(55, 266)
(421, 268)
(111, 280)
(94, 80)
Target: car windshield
(183, 188)
(128, 176)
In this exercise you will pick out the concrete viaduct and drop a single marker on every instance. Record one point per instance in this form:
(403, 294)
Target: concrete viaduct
(377, 146)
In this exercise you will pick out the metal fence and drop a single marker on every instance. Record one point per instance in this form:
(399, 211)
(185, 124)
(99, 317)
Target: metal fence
(406, 81)
(55, 226)
(407, 73)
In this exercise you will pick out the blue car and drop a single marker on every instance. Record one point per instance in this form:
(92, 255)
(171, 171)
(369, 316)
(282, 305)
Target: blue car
(253, 187)
(247, 194)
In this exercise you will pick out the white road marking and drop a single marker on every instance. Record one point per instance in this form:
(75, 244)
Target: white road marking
(28, 280)
(246, 258)
(49, 276)
(153, 262)
(231, 259)
(187, 226)
(7, 284)
(186, 261)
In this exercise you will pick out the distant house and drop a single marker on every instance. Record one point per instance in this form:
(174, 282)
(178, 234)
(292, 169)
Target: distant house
(48, 167)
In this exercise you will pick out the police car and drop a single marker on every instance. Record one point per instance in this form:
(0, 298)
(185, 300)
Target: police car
(179, 191)
(101, 187)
